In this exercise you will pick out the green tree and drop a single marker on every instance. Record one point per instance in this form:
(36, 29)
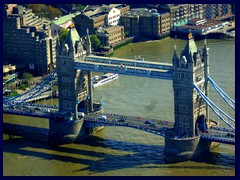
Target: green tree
(53, 12)
(27, 77)
(80, 7)
(38, 9)
(63, 34)
(95, 41)
(126, 33)
(45, 11)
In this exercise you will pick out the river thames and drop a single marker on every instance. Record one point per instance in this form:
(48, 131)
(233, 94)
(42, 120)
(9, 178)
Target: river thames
(122, 151)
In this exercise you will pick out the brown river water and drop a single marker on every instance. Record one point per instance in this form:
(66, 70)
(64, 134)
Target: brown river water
(122, 151)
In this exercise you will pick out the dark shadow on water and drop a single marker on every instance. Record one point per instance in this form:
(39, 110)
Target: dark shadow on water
(217, 158)
(136, 154)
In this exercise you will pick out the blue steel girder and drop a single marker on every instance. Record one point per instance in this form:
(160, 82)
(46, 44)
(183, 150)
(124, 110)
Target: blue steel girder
(24, 113)
(125, 70)
(128, 62)
(225, 97)
(38, 90)
(218, 139)
(94, 123)
(221, 114)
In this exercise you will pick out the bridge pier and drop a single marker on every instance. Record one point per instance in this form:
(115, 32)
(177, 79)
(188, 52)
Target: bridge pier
(184, 149)
(64, 128)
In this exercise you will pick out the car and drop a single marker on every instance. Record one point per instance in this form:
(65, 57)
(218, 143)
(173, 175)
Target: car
(7, 92)
(102, 118)
(121, 120)
(149, 122)
(36, 109)
(153, 125)
(80, 114)
(229, 134)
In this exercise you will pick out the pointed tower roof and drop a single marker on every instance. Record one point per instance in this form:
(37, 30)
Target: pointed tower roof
(190, 47)
(72, 37)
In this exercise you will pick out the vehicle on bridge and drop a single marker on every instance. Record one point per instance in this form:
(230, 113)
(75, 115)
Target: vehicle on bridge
(102, 118)
(149, 122)
(121, 120)
(80, 114)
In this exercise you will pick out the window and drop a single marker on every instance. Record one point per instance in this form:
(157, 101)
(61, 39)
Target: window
(183, 93)
(183, 107)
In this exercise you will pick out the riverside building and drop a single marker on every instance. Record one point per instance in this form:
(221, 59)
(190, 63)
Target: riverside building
(27, 41)
(144, 22)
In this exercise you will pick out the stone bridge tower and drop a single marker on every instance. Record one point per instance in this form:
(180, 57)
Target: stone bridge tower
(74, 87)
(73, 84)
(190, 111)
(188, 69)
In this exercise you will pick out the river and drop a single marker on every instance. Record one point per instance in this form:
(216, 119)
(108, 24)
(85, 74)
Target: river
(122, 151)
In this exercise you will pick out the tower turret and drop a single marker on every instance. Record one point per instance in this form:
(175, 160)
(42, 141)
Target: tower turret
(188, 105)
(72, 83)
(89, 48)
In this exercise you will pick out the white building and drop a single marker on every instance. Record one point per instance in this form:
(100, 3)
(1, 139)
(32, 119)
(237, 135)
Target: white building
(112, 16)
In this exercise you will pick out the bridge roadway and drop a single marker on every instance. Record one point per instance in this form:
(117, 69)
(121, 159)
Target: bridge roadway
(158, 127)
(35, 92)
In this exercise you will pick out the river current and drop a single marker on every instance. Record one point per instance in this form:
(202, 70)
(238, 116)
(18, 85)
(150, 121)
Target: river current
(122, 151)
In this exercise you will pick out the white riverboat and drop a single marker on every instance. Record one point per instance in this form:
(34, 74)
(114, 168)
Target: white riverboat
(104, 79)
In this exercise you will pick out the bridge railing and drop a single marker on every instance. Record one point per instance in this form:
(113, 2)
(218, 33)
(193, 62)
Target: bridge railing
(96, 122)
(134, 118)
(36, 91)
(118, 69)
(129, 62)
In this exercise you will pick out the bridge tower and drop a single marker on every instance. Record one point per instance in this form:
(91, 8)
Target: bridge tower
(190, 111)
(73, 86)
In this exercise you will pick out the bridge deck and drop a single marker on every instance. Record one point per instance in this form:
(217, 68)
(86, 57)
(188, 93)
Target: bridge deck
(126, 70)
(157, 127)
(128, 62)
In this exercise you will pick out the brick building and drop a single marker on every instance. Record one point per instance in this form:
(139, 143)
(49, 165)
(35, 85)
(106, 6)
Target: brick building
(144, 22)
(27, 41)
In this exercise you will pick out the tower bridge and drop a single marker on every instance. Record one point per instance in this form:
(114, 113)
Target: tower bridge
(125, 70)
(189, 136)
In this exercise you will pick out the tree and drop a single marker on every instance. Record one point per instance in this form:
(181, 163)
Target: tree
(126, 34)
(46, 11)
(80, 7)
(63, 34)
(95, 41)
(27, 77)
(53, 12)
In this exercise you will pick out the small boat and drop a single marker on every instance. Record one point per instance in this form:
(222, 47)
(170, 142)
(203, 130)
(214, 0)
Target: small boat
(139, 58)
(104, 79)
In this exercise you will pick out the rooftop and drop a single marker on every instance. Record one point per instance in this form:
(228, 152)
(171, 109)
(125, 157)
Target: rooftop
(110, 29)
(65, 18)
(225, 17)
(193, 24)
(143, 12)
(96, 11)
